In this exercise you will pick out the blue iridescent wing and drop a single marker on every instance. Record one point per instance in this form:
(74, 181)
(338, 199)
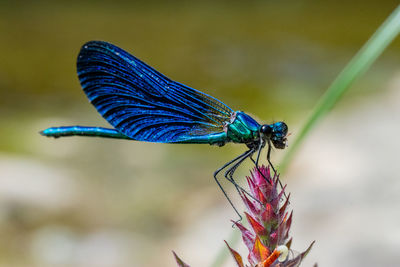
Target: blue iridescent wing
(142, 103)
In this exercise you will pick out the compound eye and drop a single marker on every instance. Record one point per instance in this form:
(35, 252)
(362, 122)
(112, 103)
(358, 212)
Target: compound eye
(266, 129)
(284, 128)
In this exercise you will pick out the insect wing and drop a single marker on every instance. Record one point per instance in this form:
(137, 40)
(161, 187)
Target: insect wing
(142, 103)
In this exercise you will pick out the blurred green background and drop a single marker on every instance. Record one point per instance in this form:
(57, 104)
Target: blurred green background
(94, 202)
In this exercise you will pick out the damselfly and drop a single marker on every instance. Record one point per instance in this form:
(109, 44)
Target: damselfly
(144, 105)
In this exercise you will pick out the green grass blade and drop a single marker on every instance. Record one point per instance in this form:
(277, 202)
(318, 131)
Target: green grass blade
(358, 65)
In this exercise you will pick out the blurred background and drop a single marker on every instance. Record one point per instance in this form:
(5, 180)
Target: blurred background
(98, 202)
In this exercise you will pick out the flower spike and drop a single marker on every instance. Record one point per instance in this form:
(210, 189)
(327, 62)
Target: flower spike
(267, 239)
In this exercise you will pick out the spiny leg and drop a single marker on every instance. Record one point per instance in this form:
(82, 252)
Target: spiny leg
(269, 156)
(270, 163)
(219, 184)
(268, 180)
(269, 160)
(260, 147)
(229, 175)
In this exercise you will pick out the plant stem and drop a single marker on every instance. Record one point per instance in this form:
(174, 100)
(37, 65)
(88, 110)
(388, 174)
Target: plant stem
(357, 66)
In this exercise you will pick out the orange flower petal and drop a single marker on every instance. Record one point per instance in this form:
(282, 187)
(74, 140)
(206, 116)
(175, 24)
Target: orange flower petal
(260, 252)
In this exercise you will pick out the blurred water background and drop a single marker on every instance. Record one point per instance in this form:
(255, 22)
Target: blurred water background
(97, 202)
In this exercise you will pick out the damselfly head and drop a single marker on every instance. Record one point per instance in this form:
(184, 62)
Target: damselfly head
(278, 135)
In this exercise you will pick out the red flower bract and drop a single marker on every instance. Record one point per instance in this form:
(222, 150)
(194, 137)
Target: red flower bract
(267, 238)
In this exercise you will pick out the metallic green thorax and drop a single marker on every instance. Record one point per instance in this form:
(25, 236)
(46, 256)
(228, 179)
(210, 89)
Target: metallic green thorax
(242, 129)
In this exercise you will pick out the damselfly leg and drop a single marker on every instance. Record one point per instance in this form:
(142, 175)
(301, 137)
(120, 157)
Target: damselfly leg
(236, 162)
(229, 175)
(260, 147)
(270, 164)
